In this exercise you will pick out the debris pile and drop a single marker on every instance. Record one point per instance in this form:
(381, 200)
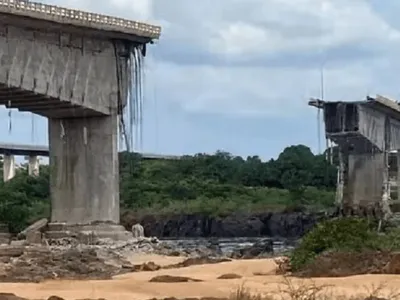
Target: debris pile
(38, 264)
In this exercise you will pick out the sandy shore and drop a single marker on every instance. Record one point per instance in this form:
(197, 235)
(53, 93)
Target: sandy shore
(137, 285)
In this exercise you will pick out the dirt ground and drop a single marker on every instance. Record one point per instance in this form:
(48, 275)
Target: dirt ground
(340, 264)
(137, 286)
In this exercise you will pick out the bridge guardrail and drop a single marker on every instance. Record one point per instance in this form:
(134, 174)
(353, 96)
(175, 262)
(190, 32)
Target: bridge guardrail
(78, 17)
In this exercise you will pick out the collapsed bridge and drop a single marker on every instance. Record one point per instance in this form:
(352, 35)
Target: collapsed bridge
(367, 135)
(79, 70)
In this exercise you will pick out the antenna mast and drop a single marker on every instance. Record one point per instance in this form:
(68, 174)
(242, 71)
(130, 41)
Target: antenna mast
(319, 110)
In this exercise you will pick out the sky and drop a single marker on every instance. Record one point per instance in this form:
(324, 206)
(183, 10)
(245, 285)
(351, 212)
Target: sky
(236, 75)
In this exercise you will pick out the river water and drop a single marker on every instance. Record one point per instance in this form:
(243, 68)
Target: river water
(228, 245)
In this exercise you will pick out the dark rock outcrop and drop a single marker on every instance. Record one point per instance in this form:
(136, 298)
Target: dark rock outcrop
(171, 278)
(272, 224)
(190, 247)
(260, 249)
(230, 276)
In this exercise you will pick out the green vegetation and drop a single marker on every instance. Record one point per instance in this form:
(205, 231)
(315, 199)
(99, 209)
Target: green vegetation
(350, 234)
(24, 199)
(210, 184)
(222, 183)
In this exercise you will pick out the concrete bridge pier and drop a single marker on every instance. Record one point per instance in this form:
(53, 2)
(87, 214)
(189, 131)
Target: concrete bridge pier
(8, 167)
(33, 165)
(78, 69)
(84, 182)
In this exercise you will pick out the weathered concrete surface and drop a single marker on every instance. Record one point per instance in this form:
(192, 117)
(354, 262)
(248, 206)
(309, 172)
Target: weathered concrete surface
(96, 24)
(59, 74)
(88, 234)
(38, 226)
(397, 183)
(23, 150)
(137, 230)
(365, 181)
(366, 132)
(8, 167)
(84, 182)
(73, 67)
(33, 165)
(34, 237)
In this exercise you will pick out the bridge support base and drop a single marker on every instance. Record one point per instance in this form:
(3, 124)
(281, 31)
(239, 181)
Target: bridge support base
(8, 167)
(88, 234)
(84, 182)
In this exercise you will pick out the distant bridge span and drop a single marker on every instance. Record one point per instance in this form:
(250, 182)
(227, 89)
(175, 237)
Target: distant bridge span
(42, 150)
(34, 151)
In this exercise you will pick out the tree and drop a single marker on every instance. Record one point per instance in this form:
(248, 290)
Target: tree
(219, 184)
(299, 168)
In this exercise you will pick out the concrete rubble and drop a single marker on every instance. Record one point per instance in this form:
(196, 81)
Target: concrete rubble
(137, 230)
(33, 257)
(33, 230)
(68, 259)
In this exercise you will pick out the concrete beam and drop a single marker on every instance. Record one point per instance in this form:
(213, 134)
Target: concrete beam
(67, 18)
(8, 167)
(41, 150)
(23, 150)
(90, 73)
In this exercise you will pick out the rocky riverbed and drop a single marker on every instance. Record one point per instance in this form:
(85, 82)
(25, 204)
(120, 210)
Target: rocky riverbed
(67, 259)
(271, 224)
(145, 268)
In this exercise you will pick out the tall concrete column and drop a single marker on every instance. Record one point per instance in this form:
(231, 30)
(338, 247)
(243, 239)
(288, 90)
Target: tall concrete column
(33, 165)
(8, 167)
(398, 175)
(84, 182)
(340, 180)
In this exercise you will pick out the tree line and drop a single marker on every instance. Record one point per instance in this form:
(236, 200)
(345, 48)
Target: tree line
(220, 183)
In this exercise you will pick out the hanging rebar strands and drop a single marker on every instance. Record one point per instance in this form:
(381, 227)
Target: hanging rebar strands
(365, 132)
(131, 134)
(136, 98)
(9, 118)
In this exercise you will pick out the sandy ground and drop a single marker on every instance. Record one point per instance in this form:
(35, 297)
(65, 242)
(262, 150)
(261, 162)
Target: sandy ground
(136, 285)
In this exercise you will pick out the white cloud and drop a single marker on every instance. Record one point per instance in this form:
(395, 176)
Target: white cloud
(239, 29)
(246, 27)
(141, 9)
(219, 34)
(258, 91)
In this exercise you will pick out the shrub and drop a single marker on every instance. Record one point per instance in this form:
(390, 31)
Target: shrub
(350, 233)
